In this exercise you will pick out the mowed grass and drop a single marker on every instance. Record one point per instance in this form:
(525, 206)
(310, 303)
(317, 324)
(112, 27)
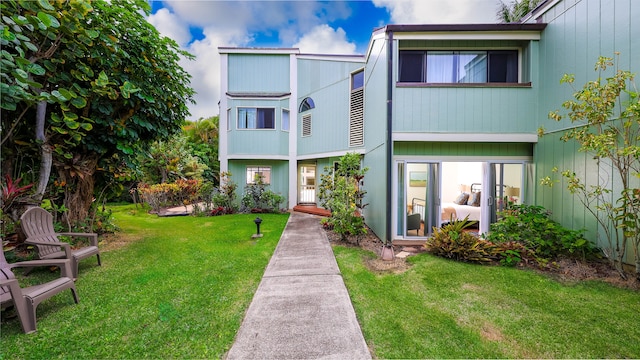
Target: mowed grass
(445, 309)
(179, 288)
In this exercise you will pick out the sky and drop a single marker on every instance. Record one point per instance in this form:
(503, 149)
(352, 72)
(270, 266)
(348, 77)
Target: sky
(318, 27)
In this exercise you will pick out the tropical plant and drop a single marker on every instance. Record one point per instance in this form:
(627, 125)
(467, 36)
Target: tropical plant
(606, 118)
(225, 196)
(100, 83)
(515, 10)
(533, 227)
(341, 192)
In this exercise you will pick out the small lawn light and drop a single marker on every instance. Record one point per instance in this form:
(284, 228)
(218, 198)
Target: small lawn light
(257, 221)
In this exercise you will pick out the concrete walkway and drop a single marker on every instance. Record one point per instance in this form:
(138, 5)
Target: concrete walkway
(301, 309)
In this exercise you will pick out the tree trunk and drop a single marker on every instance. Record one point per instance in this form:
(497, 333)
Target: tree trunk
(78, 196)
(46, 152)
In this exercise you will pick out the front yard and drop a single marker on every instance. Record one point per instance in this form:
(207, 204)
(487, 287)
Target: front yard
(178, 287)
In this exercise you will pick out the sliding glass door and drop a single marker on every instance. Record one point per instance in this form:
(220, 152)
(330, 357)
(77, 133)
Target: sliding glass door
(417, 199)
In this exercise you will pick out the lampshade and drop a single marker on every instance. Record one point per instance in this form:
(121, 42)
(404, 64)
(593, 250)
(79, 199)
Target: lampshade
(512, 191)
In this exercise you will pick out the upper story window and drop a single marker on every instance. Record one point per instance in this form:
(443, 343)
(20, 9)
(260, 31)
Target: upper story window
(458, 67)
(285, 120)
(306, 104)
(356, 109)
(256, 118)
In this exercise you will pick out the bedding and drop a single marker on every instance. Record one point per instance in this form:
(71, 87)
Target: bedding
(460, 211)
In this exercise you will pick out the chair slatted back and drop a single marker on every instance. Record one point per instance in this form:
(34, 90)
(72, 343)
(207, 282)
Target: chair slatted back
(38, 223)
(5, 273)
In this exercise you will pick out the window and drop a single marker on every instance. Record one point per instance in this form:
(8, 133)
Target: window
(264, 172)
(306, 105)
(285, 120)
(356, 109)
(306, 125)
(458, 67)
(256, 118)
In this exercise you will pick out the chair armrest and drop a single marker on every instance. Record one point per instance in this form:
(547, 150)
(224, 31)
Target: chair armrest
(14, 287)
(63, 264)
(65, 246)
(93, 237)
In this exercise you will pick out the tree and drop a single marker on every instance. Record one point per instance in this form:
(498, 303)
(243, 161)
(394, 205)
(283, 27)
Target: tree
(607, 117)
(202, 138)
(516, 10)
(170, 160)
(100, 83)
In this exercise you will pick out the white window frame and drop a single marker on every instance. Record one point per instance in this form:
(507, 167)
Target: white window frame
(256, 108)
(288, 123)
(253, 169)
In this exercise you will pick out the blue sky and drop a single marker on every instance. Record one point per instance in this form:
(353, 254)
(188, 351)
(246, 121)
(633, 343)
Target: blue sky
(327, 27)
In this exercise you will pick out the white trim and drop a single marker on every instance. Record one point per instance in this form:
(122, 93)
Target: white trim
(537, 13)
(293, 133)
(267, 98)
(462, 158)
(350, 58)
(468, 35)
(360, 151)
(282, 110)
(222, 123)
(238, 107)
(236, 50)
(257, 157)
(465, 137)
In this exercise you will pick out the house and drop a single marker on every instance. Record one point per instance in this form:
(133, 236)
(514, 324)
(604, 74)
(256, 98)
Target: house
(436, 111)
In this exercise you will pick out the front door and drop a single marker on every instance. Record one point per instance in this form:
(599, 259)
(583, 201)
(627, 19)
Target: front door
(307, 184)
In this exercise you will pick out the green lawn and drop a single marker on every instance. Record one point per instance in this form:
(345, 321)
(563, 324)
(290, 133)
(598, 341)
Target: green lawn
(179, 289)
(444, 309)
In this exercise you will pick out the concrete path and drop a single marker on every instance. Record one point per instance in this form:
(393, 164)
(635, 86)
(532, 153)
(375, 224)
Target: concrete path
(301, 309)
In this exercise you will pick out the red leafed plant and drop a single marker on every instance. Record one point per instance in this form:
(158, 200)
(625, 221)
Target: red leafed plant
(11, 190)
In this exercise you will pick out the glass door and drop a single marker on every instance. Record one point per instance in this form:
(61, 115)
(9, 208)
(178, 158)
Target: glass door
(307, 184)
(504, 187)
(417, 190)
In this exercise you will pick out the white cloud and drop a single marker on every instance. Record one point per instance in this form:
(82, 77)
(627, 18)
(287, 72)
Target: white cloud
(171, 26)
(325, 40)
(440, 11)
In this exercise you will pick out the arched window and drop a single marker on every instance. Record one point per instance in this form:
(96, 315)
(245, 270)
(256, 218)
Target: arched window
(306, 104)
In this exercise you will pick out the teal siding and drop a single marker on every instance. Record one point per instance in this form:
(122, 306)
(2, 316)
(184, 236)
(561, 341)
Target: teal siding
(330, 118)
(578, 32)
(375, 138)
(279, 176)
(258, 141)
(413, 148)
(259, 73)
(465, 110)
(468, 109)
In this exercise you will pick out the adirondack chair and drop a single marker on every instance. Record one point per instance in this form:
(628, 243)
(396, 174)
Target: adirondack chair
(37, 224)
(25, 300)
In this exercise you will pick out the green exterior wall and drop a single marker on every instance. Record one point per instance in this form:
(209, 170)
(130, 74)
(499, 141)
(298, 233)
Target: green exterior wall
(258, 141)
(279, 176)
(414, 148)
(253, 73)
(375, 138)
(467, 109)
(578, 32)
(330, 81)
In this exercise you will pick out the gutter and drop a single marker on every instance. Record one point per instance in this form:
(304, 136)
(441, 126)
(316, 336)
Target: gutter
(388, 235)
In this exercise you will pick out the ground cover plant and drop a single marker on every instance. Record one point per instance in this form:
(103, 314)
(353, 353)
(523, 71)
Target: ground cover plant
(440, 308)
(172, 287)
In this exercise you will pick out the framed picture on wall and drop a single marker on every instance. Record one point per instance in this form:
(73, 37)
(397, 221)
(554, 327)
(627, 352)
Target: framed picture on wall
(418, 178)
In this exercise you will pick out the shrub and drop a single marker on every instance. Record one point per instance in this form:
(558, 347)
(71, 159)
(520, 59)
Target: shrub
(452, 242)
(532, 226)
(225, 196)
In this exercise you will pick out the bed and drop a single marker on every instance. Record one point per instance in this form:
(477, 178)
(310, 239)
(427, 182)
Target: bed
(466, 204)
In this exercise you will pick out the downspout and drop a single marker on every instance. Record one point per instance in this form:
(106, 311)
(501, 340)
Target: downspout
(389, 237)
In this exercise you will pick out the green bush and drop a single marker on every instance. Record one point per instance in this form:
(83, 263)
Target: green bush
(547, 239)
(452, 242)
